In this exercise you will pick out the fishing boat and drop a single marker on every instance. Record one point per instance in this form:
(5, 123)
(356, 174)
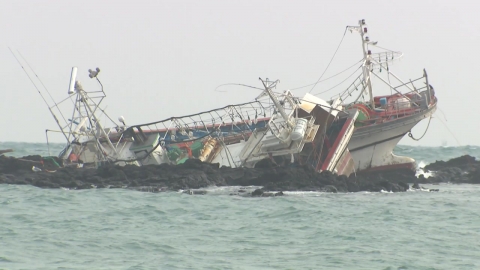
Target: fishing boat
(280, 128)
(339, 135)
(384, 119)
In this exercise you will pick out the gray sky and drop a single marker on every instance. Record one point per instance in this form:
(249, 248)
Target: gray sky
(165, 58)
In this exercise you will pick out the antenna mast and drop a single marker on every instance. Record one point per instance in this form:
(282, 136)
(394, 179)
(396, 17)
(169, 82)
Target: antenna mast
(367, 56)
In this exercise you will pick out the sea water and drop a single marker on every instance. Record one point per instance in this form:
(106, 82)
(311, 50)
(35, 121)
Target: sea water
(125, 229)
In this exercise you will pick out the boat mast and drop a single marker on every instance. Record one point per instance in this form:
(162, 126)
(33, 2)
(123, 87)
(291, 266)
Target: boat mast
(367, 61)
(85, 99)
(268, 90)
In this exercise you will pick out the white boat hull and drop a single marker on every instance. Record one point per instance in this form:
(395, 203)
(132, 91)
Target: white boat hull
(371, 146)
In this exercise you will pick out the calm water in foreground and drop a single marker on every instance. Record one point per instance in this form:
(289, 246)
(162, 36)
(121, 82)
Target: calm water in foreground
(124, 229)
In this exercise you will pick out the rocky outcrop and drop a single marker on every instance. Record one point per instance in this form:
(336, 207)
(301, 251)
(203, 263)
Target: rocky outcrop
(194, 174)
(464, 169)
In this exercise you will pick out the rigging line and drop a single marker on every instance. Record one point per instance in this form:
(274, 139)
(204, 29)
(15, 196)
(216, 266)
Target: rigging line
(451, 133)
(239, 84)
(384, 48)
(356, 63)
(444, 117)
(30, 78)
(338, 83)
(262, 89)
(38, 78)
(38, 90)
(338, 47)
(106, 115)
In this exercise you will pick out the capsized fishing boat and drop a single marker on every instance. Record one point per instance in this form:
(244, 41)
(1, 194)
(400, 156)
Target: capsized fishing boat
(384, 119)
(277, 127)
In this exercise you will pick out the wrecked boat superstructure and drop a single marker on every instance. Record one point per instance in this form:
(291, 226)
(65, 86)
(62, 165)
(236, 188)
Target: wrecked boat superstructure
(280, 127)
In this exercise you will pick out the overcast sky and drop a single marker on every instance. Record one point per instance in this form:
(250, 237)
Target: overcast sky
(165, 58)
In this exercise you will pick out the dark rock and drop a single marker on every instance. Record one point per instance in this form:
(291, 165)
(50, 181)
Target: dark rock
(257, 193)
(455, 162)
(265, 163)
(194, 174)
(404, 186)
(474, 176)
(330, 188)
(352, 187)
(421, 178)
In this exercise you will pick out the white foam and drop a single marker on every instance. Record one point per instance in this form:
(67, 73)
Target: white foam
(303, 193)
(421, 189)
(420, 170)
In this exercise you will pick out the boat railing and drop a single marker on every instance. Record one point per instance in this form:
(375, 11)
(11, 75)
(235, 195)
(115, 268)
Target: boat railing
(385, 57)
(357, 85)
(401, 107)
(226, 121)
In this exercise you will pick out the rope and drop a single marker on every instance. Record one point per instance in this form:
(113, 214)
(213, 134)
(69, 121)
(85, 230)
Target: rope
(411, 135)
(300, 87)
(335, 53)
(238, 84)
(53, 161)
(451, 133)
(333, 87)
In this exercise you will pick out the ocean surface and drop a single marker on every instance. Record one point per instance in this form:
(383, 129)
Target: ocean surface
(125, 229)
